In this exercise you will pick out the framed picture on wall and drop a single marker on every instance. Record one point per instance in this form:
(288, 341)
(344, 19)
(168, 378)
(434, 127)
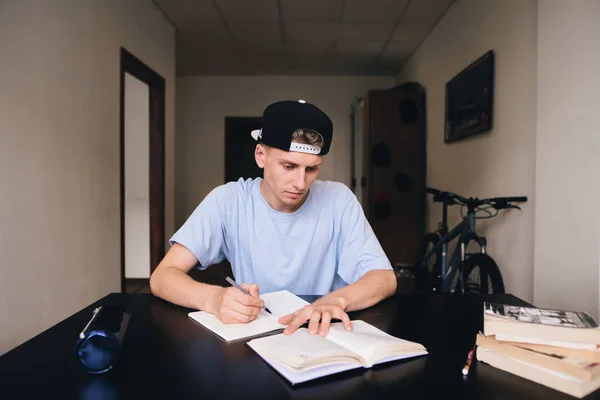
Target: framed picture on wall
(469, 100)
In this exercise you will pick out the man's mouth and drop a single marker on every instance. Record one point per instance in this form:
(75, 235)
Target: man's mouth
(294, 195)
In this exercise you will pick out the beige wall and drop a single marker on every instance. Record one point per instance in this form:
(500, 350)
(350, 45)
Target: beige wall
(136, 143)
(204, 102)
(59, 152)
(568, 162)
(544, 144)
(500, 163)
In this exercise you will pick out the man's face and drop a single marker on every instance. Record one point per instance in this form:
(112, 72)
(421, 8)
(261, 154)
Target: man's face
(287, 176)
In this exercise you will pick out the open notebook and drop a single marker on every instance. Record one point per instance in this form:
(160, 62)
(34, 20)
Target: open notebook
(280, 303)
(301, 357)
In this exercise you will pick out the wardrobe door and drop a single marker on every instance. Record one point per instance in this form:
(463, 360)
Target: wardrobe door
(359, 166)
(395, 184)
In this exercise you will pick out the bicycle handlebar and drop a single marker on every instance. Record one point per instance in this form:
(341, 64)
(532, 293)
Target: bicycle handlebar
(518, 199)
(450, 198)
(446, 197)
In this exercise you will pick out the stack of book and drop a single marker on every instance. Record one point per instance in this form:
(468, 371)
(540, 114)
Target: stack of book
(558, 349)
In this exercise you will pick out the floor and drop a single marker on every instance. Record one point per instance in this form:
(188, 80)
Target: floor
(137, 288)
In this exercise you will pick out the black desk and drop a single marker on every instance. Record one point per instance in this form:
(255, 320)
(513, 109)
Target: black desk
(168, 356)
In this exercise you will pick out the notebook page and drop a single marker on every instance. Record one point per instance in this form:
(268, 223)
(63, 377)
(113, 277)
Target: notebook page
(302, 351)
(370, 342)
(280, 303)
(304, 376)
(299, 377)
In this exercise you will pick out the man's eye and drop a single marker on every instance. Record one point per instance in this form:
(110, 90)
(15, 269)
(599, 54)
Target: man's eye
(288, 166)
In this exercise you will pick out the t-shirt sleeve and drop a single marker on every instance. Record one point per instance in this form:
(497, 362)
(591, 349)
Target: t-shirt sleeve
(203, 232)
(359, 249)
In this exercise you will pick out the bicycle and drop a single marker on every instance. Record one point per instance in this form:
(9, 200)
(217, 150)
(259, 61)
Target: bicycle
(479, 271)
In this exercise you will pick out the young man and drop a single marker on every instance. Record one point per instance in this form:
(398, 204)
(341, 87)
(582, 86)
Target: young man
(286, 231)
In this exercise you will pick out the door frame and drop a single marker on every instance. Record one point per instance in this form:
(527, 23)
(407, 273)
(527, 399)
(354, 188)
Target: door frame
(156, 83)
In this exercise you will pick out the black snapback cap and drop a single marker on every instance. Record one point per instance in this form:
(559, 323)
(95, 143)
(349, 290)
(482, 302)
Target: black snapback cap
(282, 118)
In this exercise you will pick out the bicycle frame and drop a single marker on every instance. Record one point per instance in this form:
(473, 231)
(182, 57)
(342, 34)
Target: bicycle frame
(466, 230)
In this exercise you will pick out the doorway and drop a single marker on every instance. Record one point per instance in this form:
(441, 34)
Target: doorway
(239, 148)
(142, 170)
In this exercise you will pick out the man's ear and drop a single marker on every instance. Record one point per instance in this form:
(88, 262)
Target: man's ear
(260, 153)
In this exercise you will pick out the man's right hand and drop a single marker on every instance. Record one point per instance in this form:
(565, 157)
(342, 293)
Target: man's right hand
(231, 306)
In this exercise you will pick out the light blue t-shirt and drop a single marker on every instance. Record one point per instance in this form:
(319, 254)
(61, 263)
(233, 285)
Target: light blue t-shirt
(324, 245)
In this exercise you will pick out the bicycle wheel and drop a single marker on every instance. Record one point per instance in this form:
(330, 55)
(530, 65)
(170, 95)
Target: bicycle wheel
(430, 277)
(483, 275)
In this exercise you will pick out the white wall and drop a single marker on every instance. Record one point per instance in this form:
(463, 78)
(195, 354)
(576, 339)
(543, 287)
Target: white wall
(59, 151)
(137, 178)
(568, 162)
(204, 102)
(500, 163)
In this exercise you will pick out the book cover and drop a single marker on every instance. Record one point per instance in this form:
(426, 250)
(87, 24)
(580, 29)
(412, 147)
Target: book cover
(541, 316)
(565, 349)
(544, 376)
(573, 366)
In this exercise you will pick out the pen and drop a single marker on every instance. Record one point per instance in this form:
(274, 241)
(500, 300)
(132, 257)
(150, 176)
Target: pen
(233, 283)
(465, 370)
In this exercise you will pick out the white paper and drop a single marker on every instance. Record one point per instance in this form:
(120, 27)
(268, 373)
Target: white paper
(297, 346)
(302, 350)
(299, 377)
(295, 377)
(279, 303)
(367, 341)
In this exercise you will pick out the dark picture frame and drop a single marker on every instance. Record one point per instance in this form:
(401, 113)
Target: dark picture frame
(470, 100)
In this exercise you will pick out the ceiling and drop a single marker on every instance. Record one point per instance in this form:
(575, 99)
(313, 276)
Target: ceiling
(298, 37)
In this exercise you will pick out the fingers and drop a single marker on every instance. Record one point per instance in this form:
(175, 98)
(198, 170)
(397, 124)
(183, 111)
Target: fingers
(299, 318)
(237, 307)
(286, 319)
(243, 298)
(341, 315)
(314, 316)
(230, 316)
(313, 322)
(325, 323)
(252, 288)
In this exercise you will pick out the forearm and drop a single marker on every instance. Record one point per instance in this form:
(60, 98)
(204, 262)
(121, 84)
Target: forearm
(177, 287)
(373, 287)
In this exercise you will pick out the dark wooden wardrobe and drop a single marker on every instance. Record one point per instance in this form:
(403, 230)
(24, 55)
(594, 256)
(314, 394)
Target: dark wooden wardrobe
(389, 166)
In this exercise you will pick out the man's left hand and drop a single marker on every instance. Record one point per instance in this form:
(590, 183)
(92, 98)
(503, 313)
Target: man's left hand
(315, 313)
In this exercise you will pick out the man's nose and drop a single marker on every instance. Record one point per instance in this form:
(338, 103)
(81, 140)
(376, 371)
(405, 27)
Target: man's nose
(300, 181)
